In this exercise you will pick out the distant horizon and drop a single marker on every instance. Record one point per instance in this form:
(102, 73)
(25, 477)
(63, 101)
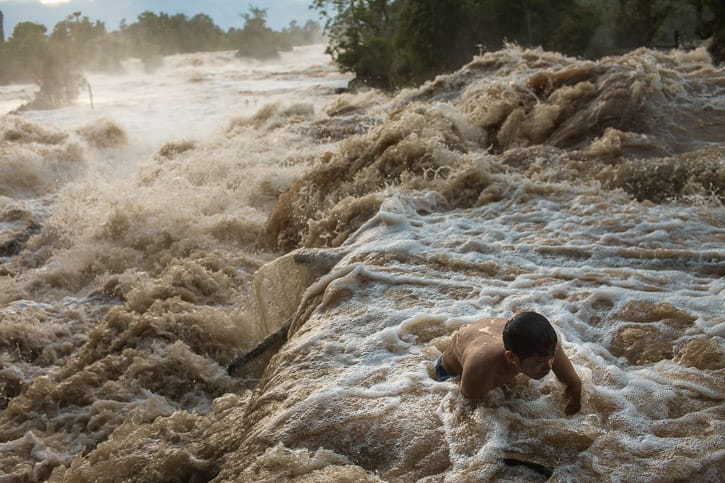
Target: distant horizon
(226, 14)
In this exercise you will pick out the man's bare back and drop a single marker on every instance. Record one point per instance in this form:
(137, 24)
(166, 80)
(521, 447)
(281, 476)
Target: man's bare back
(477, 353)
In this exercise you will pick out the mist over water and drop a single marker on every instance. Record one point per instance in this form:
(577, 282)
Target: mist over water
(147, 242)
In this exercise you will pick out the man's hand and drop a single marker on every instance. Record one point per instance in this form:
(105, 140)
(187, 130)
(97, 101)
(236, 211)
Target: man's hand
(573, 396)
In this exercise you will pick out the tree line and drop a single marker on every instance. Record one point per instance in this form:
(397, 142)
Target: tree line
(54, 60)
(396, 43)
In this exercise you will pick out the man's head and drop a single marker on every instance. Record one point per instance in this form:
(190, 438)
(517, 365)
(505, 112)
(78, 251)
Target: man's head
(530, 343)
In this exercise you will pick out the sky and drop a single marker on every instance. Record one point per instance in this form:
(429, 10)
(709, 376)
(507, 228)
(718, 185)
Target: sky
(225, 13)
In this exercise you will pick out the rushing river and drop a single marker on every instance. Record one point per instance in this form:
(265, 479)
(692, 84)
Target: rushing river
(148, 240)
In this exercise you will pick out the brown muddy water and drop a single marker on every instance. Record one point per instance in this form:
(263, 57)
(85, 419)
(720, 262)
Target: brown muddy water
(145, 244)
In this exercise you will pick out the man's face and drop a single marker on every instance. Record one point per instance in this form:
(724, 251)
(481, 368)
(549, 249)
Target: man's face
(536, 367)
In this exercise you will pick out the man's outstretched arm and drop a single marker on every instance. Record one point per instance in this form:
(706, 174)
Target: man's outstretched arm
(564, 371)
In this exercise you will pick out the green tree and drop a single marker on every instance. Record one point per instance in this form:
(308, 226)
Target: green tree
(145, 38)
(80, 42)
(22, 54)
(149, 34)
(34, 57)
(203, 34)
(637, 22)
(561, 25)
(710, 23)
(256, 39)
(30, 50)
(360, 36)
(428, 39)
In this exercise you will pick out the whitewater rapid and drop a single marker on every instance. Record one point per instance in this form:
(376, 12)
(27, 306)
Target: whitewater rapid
(149, 241)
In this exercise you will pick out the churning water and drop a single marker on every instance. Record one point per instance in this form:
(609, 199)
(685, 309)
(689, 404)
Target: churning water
(147, 242)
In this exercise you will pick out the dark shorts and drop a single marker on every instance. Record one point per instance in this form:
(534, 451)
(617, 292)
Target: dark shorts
(441, 374)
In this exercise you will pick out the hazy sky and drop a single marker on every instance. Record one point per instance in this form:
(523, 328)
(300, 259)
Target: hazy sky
(225, 13)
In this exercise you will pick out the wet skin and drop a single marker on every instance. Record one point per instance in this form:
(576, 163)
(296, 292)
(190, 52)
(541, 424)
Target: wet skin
(477, 354)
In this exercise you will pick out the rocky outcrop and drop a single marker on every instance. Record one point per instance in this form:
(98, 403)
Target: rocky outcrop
(282, 298)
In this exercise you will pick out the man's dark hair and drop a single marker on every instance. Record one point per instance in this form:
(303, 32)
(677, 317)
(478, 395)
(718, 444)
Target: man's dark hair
(529, 334)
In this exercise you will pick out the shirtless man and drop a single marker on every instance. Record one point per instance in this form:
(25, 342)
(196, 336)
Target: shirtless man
(490, 352)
